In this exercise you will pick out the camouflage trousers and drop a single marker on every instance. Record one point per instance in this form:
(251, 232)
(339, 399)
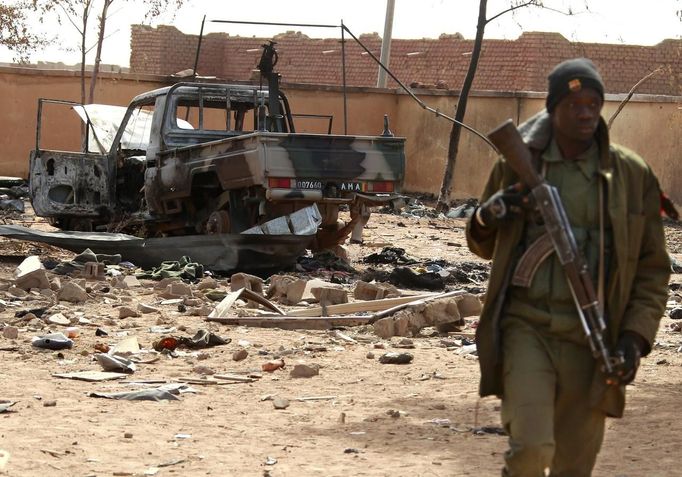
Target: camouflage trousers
(545, 407)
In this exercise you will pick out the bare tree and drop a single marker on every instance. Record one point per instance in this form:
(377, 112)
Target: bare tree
(453, 146)
(78, 12)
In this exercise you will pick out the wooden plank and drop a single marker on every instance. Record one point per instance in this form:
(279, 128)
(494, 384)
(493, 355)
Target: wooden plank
(235, 378)
(295, 323)
(357, 306)
(91, 376)
(223, 308)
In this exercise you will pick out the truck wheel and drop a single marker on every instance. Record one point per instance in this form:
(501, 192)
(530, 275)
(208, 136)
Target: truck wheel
(218, 223)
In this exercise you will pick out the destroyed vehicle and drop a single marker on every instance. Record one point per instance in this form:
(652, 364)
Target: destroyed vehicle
(209, 158)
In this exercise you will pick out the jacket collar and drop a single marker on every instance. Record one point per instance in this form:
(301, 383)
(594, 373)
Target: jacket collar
(537, 134)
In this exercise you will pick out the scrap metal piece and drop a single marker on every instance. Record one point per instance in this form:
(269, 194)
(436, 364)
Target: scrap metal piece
(228, 253)
(302, 222)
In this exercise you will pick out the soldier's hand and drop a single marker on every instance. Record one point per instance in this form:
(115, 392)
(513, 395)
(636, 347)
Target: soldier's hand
(503, 205)
(629, 350)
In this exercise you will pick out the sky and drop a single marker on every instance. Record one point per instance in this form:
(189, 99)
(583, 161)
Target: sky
(603, 21)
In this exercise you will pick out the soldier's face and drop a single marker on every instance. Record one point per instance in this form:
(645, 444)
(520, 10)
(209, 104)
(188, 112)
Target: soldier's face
(576, 116)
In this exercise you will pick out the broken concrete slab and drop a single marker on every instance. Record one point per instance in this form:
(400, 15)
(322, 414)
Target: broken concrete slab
(469, 305)
(330, 295)
(72, 292)
(31, 274)
(374, 291)
(244, 280)
(302, 290)
(409, 321)
(277, 288)
(177, 289)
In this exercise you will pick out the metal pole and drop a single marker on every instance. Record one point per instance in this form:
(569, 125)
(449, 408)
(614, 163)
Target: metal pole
(196, 57)
(386, 43)
(343, 75)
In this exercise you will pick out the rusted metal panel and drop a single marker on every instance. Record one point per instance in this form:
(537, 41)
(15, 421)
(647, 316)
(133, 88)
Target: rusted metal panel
(226, 253)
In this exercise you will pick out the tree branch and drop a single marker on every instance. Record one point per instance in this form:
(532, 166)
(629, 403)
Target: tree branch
(511, 9)
(632, 91)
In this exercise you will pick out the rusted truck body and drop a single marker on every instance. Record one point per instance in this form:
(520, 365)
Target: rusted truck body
(208, 158)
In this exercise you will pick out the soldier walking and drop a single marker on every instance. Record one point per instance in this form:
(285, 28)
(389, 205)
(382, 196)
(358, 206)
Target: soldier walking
(532, 348)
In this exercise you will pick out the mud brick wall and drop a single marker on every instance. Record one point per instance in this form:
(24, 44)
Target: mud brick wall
(166, 50)
(505, 65)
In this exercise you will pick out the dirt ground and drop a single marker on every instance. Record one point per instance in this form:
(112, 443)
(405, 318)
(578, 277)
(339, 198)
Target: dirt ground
(419, 419)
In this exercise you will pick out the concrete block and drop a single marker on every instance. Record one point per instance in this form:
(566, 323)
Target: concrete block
(374, 291)
(469, 305)
(31, 274)
(93, 271)
(244, 280)
(330, 295)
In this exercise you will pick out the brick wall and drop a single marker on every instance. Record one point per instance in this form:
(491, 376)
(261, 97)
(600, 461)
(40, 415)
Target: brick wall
(505, 65)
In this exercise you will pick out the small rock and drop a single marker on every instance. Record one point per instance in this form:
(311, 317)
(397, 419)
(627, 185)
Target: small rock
(207, 284)
(192, 301)
(50, 403)
(205, 370)
(370, 355)
(17, 292)
(280, 403)
(240, 355)
(10, 332)
(305, 371)
(342, 418)
(128, 435)
(273, 365)
(676, 314)
(131, 281)
(126, 312)
(396, 358)
(351, 450)
(200, 311)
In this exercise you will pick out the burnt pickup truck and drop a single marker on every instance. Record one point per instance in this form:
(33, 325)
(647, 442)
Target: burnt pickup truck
(209, 158)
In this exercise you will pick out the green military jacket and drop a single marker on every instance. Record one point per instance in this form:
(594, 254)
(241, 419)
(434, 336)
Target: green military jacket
(637, 285)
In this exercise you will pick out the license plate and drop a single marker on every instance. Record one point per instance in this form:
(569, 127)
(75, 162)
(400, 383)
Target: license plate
(351, 186)
(308, 185)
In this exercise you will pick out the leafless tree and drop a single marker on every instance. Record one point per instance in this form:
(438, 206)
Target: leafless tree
(453, 146)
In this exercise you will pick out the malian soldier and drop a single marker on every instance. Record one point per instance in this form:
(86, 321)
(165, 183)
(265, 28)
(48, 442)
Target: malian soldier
(533, 348)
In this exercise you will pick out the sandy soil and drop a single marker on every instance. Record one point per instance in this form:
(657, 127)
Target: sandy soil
(376, 419)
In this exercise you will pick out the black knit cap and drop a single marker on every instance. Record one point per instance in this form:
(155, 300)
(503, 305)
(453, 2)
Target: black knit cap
(572, 75)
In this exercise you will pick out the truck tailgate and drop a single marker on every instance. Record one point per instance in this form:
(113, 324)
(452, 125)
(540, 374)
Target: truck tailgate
(366, 158)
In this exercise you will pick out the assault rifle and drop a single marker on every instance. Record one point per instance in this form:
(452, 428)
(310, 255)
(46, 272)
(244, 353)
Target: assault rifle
(558, 239)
